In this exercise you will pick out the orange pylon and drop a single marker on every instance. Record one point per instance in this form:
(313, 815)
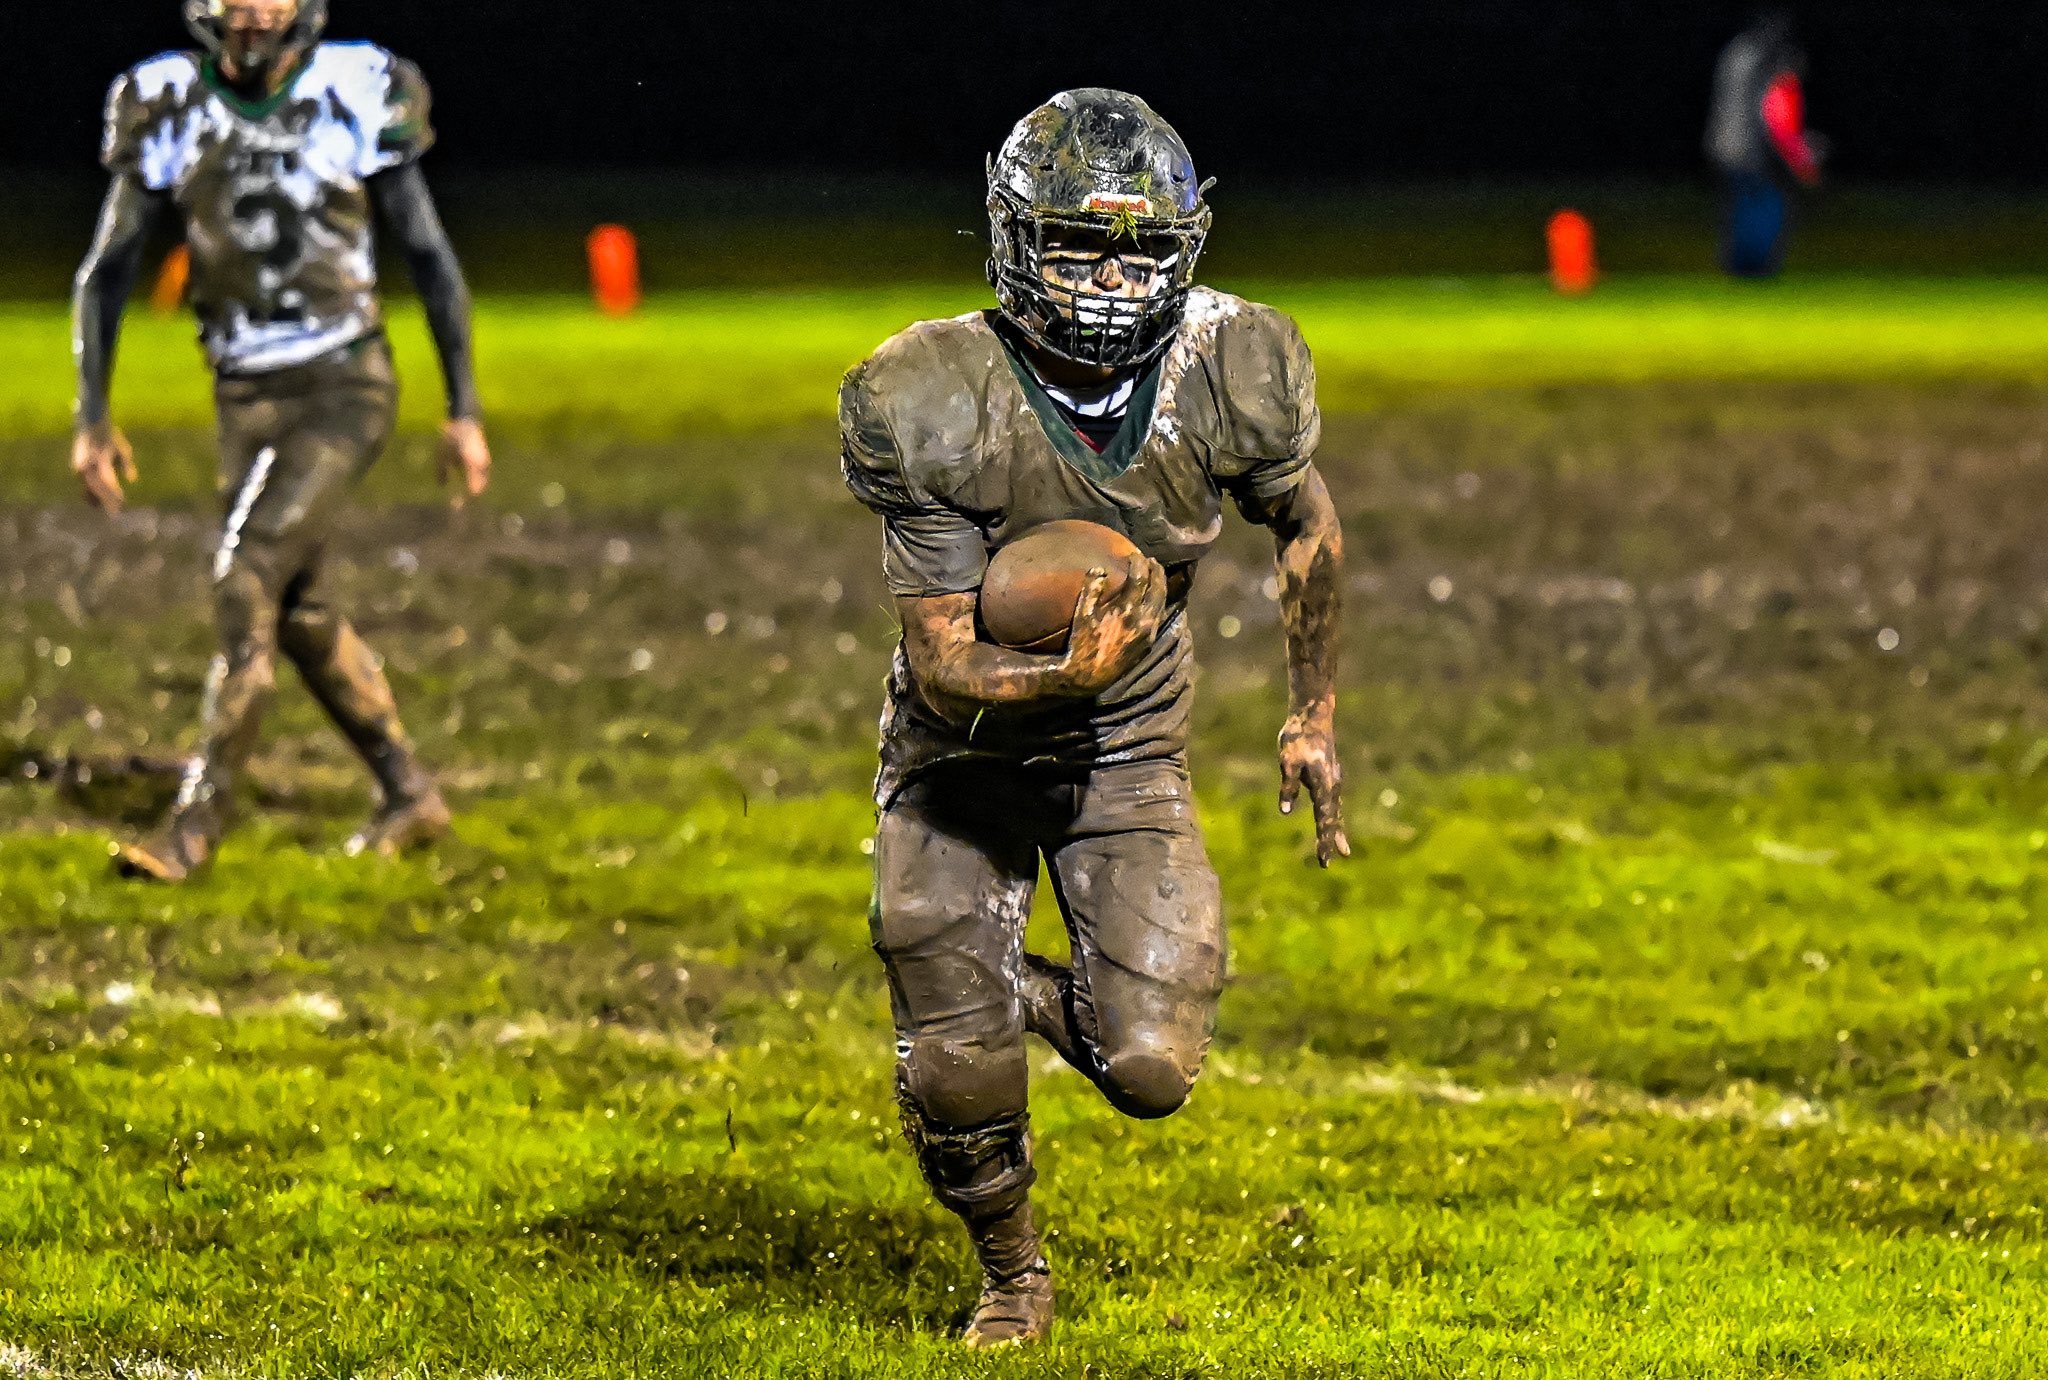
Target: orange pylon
(1574, 267)
(171, 282)
(615, 270)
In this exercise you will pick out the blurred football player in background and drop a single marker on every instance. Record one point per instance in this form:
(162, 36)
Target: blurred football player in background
(1106, 387)
(271, 151)
(1757, 139)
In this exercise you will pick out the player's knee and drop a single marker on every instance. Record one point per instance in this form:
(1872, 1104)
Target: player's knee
(965, 1082)
(305, 631)
(246, 610)
(1149, 1076)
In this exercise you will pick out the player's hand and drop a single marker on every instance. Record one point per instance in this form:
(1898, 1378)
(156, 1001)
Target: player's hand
(1308, 757)
(465, 459)
(103, 460)
(1112, 632)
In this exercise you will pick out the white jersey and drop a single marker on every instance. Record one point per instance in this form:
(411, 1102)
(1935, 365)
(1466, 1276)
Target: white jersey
(273, 193)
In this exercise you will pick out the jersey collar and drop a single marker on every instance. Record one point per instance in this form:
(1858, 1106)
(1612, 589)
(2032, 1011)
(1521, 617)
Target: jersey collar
(1116, 457)
(209, 71)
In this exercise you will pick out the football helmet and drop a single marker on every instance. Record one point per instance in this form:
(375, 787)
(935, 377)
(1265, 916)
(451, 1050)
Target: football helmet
(207, 19)
(1099, 168)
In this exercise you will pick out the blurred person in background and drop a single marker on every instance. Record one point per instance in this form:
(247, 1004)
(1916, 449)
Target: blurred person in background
(1758, 140)
(273, 152)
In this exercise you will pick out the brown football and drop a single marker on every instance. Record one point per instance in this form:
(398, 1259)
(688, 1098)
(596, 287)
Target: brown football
(1033, 584)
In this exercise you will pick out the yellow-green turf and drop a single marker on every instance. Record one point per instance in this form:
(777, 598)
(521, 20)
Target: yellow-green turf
(710, 361)
(1682, 1014)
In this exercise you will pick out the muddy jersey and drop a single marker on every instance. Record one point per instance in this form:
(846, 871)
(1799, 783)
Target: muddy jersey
(272, 193)
(948, 435)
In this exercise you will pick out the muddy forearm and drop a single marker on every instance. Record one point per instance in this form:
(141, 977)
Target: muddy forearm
(954, 669)
(1309, 557)
(100, 291)
(410, 214)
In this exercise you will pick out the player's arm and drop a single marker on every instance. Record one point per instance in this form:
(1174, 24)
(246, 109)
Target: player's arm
(956, 670)
(1785, 121)
(934, 559)
(414, 223)
(1309, 556)
(100, 454)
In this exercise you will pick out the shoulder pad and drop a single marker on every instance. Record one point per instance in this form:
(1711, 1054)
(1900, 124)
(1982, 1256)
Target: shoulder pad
(138, 105)
(385, 97)
(1244, 380)
(912, 412)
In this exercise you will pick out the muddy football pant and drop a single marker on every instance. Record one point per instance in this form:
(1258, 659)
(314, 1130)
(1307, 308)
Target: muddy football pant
(957, 863)
(293, 444)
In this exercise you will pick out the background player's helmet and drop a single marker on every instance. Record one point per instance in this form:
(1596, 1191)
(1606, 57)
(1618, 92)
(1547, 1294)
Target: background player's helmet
(1101, 161)
(207, 19)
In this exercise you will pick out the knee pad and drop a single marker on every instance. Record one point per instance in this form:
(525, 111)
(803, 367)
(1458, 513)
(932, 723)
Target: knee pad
(1147, 1079)
(958, 1083)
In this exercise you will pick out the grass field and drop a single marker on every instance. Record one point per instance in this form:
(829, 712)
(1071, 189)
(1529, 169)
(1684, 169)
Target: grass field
(1682, 1014)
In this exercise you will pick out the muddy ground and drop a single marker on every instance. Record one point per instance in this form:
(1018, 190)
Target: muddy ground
(1812, 565)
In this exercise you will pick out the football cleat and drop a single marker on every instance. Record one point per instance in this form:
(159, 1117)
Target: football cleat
(1012, 1312)
(404, 826)
(178, 852)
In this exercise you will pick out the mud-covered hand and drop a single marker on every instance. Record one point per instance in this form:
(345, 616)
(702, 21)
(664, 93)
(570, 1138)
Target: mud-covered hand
(465, 461)
(1112, 632)
(103, 461)
(1308, 757)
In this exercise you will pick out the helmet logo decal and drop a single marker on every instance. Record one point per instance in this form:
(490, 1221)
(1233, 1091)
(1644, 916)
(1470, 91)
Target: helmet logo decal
(1120, 203)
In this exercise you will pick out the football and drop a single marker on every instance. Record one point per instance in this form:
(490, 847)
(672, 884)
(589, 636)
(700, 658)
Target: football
(1033, 584)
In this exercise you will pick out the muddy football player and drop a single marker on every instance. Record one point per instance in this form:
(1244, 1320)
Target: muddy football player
(1107, 387)
(274, 154)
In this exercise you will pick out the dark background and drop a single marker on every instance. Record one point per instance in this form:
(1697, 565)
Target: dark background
(756, 143)
(1345, 91)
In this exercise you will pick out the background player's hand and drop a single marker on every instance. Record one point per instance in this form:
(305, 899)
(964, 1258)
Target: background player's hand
(465, 459)
(1308, 757)
(1113, 631)
(103, 460)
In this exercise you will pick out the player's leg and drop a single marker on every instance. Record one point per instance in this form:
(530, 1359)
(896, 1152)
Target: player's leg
(954, 877)
(1136, 1010)
(247, 583)
(347, 679)
(343, 432)
(1753, 244)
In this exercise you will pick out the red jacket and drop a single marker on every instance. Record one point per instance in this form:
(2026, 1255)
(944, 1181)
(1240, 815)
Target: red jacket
(1785, 118)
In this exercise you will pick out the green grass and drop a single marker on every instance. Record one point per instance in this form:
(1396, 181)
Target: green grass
(626, 1110)
(711, 362)
(1682, 1014)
